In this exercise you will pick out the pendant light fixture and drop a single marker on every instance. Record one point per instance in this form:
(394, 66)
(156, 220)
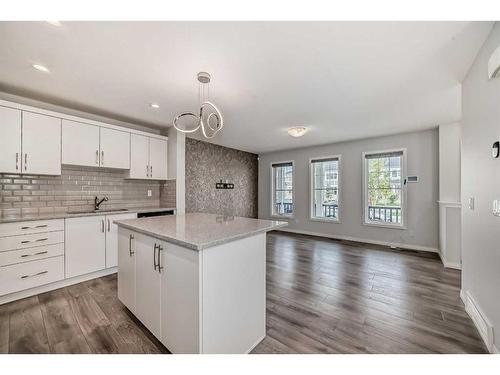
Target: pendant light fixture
(209, 118)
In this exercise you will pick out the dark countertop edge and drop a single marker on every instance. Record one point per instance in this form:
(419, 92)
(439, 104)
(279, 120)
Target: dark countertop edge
(200, 246)
(69, 215)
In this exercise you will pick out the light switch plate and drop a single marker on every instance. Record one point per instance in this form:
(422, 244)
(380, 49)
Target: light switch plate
(150, 193)
(496, 207)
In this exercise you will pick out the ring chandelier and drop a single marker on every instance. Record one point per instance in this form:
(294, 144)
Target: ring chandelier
(209, 119)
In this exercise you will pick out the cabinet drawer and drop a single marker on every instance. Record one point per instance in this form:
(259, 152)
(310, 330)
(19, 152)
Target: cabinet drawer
(30, 274)
(28, 227)
(30, 254)
(31, 240)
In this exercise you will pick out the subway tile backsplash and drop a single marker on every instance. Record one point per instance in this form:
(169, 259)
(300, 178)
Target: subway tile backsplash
(75, 190)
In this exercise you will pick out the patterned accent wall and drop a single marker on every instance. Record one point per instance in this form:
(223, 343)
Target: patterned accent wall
(206, 164)
(75, 190)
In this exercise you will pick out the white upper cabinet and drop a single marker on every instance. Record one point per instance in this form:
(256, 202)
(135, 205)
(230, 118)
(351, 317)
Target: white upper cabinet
(10, 140)
(41, 144)
(158, 159)
(139, 156)
(80, 144)
(115, 148)
(148, 158)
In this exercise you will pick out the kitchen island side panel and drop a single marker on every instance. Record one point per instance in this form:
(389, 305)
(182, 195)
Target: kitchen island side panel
(234, 295)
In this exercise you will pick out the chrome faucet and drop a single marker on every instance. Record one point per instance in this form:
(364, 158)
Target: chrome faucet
(98, 202)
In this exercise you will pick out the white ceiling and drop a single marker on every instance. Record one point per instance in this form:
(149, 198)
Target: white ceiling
(344, 80)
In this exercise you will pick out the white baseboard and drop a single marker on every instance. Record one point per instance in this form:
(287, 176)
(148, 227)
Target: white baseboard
(480, 320)
(495, 350)
(363, 240)
(254, 345)
(52, 286)
(456, 266)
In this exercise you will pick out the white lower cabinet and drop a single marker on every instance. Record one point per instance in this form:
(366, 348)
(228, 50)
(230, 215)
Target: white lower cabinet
(92, 243)
(112, 238)
(85, 245)
(148, 282)
(126, 268)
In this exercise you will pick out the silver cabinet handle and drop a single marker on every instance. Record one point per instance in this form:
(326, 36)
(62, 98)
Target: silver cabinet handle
(154, 256)
(35, 274)
(34, 254)
(109, 225)
(102, 157)
(160, 267)
(97, 157)
(150, 171)
(25, 161)
(17, 161)
(39, 240)
(130, 252)
(147, 170)
(36, 226)
(102, 225)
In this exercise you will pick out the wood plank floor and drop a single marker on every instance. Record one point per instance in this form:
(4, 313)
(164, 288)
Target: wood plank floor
(323, 296)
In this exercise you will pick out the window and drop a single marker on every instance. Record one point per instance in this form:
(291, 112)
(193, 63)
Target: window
(384, 193)
(325, 188)
(282, 189)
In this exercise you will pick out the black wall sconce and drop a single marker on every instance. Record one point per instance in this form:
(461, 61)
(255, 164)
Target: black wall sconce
(495, 150)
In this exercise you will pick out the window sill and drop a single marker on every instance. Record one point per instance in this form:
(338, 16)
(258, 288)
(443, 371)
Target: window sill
(401, 227)
(324, 220)
(282, 217)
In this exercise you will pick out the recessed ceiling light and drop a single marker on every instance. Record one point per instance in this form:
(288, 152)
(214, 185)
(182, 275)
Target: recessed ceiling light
(297, 131)
(54, 23)
(41, 68)
(154, 105)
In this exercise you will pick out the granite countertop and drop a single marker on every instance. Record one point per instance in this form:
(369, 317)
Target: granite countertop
(199, 231)
(67, 215)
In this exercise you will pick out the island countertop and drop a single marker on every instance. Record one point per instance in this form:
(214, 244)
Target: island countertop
(199, 231)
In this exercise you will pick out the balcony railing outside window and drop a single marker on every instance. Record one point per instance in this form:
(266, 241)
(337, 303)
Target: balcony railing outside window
(385, 214)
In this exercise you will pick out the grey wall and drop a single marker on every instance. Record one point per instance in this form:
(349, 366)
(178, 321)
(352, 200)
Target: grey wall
(206, 164)
(75, 190)
(481, 180)
(422, 160)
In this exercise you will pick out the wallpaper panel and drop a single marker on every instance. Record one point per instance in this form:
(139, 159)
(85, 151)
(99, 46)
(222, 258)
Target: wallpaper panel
(207, 164)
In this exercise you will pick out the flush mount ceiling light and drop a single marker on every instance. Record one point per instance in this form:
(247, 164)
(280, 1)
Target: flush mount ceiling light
(41, 68)
(54, 23)
(209, 119)
(494, 64)
(297, 131)
(154, 105)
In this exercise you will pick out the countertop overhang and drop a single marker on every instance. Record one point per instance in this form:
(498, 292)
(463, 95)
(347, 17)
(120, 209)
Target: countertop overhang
(198, 231)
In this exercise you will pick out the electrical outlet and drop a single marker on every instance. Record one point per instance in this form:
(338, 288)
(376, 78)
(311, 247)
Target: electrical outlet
(471, 203)
(150, 193)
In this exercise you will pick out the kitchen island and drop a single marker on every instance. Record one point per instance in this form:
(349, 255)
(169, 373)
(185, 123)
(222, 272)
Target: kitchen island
(196, 281)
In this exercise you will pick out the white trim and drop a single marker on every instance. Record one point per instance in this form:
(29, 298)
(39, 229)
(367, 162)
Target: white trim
(495, 350)
(83, 120)
(480, 320)
(271, 214)
(254, 345)
(450, 204)
(339, 189)
(56, 285)
(362, 240)
(453, 265)
(365, 220)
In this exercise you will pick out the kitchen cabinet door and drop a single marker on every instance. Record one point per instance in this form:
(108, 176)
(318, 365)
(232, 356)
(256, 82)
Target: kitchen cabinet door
(85, 245)
(41, 144)
(139, 156)
(80, 144)
(148, 283)
(126, 268)
(180, 297)
(115, 148)
(158, 158)
(10, 140)
(112, 238)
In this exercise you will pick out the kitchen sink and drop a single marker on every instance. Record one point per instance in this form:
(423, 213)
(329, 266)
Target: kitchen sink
(97, 211)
